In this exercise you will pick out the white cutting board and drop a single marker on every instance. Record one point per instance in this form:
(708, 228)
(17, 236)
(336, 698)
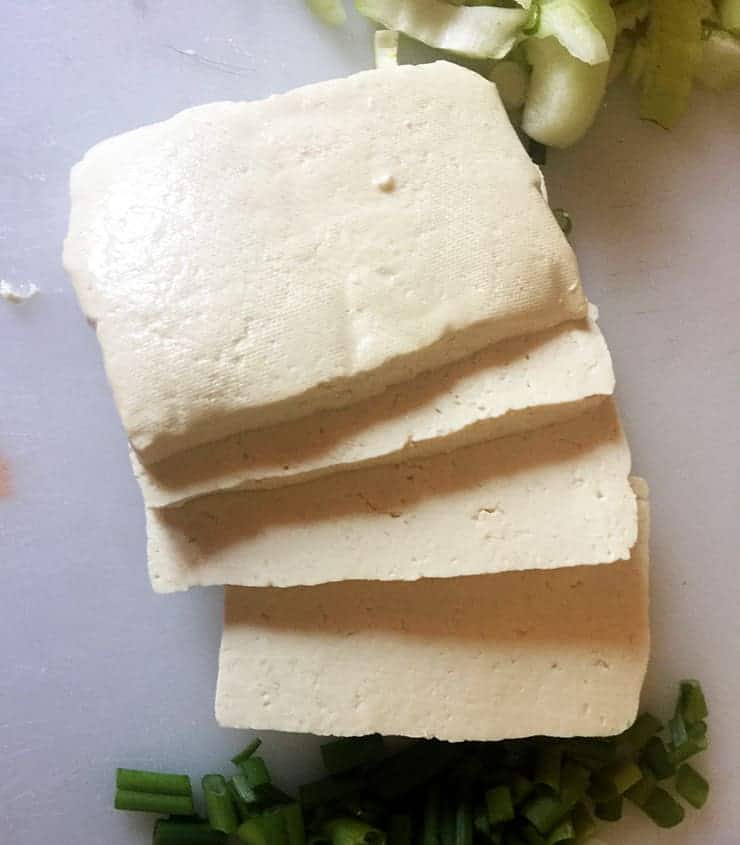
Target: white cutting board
(96, 670)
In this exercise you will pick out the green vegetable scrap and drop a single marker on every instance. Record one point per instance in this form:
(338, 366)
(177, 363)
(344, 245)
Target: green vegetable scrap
(552, 59)
(535, 791)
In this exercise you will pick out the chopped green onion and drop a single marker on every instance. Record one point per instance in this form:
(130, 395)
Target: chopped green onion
(521, 787)
(610, 811)
(664, 810)
(562, 832)
(343, 755)
(135, 780)
(574, 781)
(399, 829)
(677, 727)
(636, 737)
(544, 811)
(583, 823)
(346, 831)
(243, 789)
(584, 748)
(547, 767)
(643, 789)
(691, 702)
(692, 786)
(154, 802)
(247, 752)
(219, 804)
(530, 836)
(482, 32)
(330, 11)
(170, 832)
(674, 49)
(432, 813)
(327, 790)
(295, 829)
(266, 829)
(386, 48)
(255, 770)
(621, 775)
(464, 821)
(414, 766)
(499, 805)
(656, 756)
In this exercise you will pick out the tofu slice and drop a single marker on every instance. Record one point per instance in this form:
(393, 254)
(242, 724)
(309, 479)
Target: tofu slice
(561, 652)
(251, 263)
(514, 386)
(557, 496)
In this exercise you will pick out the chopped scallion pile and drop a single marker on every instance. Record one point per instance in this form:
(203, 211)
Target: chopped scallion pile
(535, 791)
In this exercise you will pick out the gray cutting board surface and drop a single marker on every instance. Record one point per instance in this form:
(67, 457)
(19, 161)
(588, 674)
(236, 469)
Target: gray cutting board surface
(99, 672)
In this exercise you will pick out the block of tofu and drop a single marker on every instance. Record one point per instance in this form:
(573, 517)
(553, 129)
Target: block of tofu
(557, 496)
(250, 263)
(560, 652)
(514, 386)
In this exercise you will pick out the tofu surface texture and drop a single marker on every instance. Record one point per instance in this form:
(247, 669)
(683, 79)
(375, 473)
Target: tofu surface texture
(515, 385)
(248, 263)
(560, 652)
(556, 496)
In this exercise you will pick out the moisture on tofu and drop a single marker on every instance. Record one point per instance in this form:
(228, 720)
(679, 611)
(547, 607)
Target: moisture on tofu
(560, 652)
(516, 385)
(244, 268)
(556, 496)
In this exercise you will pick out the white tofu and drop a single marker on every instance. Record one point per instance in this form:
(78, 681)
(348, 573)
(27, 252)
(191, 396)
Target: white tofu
(557, 496)
(513, 386)
(244, 266)
(489, 657)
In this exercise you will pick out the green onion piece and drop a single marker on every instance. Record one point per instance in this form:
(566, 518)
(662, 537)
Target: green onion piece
(343, 755)
(243, 809)
(268, 795)
(330, 11)
(574, 781)
(562, 832)
(134, 780)
(154, 802)
(346, 831)
(544, 811)
(521, 788)
(266, 829)
(610, 811)
(691, 702)
(530, 836)
(597, 750)
(655, 755)
(170, 832)
(692, 786)
(295, 828)
(328, 790)
(643, 789)
(478, 32)
(547, 767)
(447, 823)
(499, 805)
(247, 752)
(583, 822)
(663, 809)
(464, 821)
(432, 812)
(621, 775)
(673, 52)
(636, 737)
(679, 734)
(244, 790)
(219, 804)
(255, 770)
(585, 28)
(399, 829)
(412, 767)
(564, 221)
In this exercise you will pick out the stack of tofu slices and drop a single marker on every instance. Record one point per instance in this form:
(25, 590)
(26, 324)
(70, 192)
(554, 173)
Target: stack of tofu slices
(363, 388)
